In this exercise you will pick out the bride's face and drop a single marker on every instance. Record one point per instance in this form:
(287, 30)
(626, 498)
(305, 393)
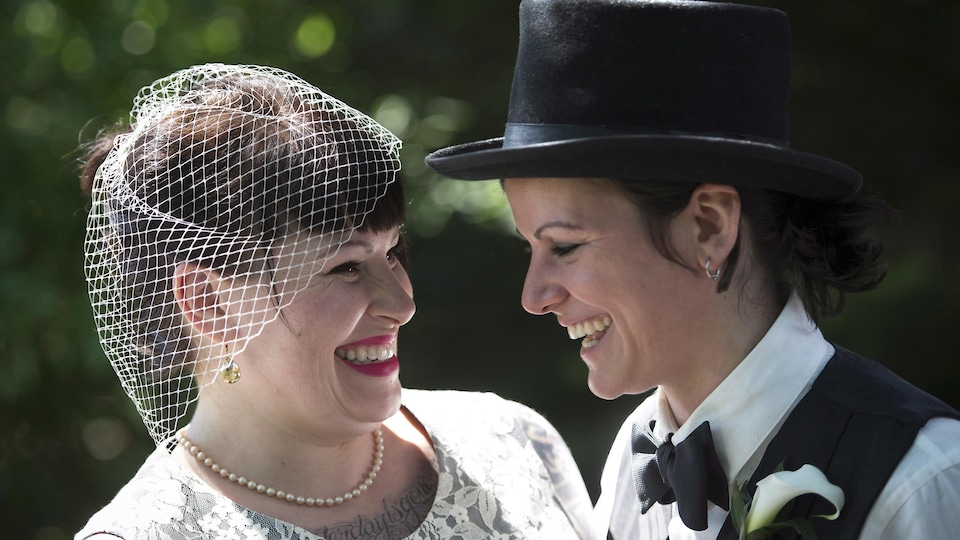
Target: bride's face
(332, 354)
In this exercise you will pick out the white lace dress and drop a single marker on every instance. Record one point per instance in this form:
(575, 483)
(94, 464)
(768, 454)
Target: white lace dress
(504, 472)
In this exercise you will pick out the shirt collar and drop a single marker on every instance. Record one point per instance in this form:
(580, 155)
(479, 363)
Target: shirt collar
(749, 405)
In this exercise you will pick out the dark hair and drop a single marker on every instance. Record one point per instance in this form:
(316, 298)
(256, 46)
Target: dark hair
(824, 249)
(248, 160)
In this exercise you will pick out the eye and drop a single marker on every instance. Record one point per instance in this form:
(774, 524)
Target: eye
(397, 254)
(349, 268)
(563, 249)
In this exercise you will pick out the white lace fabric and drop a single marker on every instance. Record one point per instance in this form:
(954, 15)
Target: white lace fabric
(504, 473)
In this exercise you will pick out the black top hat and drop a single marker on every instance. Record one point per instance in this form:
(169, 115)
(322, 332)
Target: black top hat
(680, 90)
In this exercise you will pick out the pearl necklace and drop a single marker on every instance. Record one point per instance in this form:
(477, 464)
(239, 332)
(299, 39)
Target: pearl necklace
(206, 460)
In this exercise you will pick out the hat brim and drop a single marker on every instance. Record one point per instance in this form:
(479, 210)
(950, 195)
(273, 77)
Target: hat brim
(678, 158)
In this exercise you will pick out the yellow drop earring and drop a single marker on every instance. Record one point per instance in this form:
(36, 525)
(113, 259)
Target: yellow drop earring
(230, 371)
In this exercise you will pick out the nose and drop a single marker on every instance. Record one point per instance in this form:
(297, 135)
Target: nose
(540, 291)
(393, 297)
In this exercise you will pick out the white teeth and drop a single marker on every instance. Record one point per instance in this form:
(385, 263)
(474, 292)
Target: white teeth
(367, 355)
(589, 328)
(598, 326)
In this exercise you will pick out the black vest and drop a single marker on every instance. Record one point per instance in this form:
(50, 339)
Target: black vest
(855, 424)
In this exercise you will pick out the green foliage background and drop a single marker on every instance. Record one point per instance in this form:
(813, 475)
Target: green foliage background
(875, 84)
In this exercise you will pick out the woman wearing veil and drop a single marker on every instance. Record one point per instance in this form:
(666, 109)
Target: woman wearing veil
(248, 279)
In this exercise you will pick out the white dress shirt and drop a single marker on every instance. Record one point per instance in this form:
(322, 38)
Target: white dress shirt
(921, 499)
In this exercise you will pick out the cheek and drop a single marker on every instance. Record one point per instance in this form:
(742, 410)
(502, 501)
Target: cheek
(319, 321)
(644, 294)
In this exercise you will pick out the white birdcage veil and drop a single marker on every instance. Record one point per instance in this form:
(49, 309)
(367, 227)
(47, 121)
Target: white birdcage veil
(223, 166)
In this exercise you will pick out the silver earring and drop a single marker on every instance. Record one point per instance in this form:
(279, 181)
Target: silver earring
(231, 371)
(715, 275)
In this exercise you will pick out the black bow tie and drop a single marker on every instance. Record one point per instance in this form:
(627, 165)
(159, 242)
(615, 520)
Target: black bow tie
(688, 473)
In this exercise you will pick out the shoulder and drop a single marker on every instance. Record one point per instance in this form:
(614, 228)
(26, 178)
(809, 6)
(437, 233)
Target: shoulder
(469, 422)
(863, 385)
(505, 456)
(923, 493)
(158, 499)
(458, 400)
(484, 410)
(140, 500)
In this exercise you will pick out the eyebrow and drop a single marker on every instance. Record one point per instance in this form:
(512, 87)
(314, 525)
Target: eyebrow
(566, 225)
(367, 246)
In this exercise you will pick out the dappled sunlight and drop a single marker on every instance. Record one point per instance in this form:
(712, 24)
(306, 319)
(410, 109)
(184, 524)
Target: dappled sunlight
(875, 87)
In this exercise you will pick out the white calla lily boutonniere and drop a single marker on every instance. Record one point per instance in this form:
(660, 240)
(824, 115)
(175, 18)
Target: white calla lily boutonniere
(760, 517)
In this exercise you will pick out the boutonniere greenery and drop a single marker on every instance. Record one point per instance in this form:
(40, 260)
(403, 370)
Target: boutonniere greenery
(761, 516)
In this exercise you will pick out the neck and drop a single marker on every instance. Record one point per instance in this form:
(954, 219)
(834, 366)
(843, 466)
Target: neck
(728, 329)
(318, 462)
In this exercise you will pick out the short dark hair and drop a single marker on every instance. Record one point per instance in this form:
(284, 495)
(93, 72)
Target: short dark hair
(824, 249)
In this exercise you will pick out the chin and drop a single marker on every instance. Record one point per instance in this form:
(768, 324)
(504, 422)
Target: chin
(387, 405)
(608, 390)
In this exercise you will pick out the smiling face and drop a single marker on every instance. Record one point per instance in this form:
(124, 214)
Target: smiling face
(593, 265)
(330, 358)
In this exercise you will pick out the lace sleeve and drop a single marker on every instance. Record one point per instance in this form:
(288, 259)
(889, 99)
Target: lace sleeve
(569, 488)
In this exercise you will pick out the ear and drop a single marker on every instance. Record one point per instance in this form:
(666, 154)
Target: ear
(715, 210)
(195, 289)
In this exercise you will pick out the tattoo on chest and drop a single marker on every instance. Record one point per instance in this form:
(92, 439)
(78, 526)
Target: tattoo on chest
(398, 519)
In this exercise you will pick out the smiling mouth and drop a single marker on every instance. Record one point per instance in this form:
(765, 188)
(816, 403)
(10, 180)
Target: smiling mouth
(367, 355)
(591, 330)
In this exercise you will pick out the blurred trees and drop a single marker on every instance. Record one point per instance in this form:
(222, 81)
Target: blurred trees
(875, 85)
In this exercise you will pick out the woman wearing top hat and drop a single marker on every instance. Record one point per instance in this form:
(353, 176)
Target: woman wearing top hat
(675, 232)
